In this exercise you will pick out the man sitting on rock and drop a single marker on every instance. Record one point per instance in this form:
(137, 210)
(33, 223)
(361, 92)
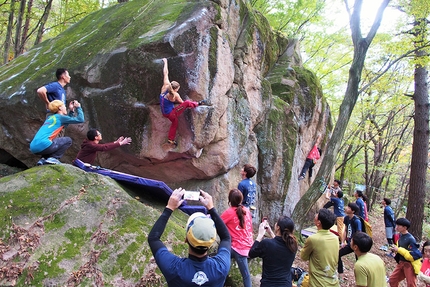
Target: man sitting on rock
(92, 145)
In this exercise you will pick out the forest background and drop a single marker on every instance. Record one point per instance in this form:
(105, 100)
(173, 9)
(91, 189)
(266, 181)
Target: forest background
(384, 143)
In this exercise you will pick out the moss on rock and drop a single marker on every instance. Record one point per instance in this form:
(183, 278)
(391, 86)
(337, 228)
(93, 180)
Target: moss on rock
(81, 213)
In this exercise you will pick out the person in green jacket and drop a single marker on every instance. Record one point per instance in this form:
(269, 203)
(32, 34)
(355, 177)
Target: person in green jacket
(322, 251)
(369, 270)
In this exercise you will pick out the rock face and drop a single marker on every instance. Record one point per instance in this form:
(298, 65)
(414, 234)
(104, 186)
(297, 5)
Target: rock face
(61, 226)
(267, 109)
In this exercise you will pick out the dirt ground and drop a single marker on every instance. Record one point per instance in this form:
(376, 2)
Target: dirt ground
(379, 239)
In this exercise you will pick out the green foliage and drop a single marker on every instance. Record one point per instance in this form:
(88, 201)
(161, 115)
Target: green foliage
(283, 15)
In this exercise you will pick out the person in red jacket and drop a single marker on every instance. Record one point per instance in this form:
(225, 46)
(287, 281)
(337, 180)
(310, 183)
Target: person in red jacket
(91, 146)
(311, 159)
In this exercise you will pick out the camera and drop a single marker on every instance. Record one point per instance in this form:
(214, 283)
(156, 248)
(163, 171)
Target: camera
(191, 195)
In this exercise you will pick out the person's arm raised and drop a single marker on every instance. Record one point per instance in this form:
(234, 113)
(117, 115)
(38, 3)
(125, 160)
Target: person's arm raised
(165, 73)
(221, 229)
(157, 230)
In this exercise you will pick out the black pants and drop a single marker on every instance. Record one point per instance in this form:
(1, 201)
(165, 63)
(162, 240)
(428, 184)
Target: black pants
(343, 251)
(309, 164)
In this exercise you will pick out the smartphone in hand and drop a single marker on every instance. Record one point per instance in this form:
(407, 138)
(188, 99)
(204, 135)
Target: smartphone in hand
(264, 219)
(192, 195)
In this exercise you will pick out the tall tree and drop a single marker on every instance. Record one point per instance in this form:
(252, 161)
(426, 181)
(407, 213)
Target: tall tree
(361, 45)
(8, 39)
(18, 27)
(417, 187)
(26, 27)
(43, 21)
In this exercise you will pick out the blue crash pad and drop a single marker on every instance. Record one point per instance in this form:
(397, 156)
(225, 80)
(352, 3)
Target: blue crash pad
(157, 188)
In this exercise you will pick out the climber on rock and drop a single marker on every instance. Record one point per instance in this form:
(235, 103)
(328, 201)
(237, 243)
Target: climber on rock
(311, 159)
(168, 97)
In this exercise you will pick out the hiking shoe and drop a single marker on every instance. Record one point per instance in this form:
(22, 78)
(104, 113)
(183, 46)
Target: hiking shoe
(205, 103)
(41, 161)
(52, 160)
(383, 248)
(301, 177)
(172, 142)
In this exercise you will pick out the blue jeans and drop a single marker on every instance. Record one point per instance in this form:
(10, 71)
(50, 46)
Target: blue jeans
(242, 262)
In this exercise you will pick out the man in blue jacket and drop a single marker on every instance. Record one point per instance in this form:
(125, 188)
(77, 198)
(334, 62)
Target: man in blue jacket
(389, 221)
(358, 194)
(198, 269)
(335, 197)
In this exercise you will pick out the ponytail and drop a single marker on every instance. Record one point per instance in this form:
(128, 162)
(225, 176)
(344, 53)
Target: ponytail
(240, 212)
(286, 225)
(290, 240)
(235, 198)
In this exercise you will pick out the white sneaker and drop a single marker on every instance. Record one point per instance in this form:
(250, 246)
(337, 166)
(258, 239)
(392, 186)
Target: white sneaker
(52, 160)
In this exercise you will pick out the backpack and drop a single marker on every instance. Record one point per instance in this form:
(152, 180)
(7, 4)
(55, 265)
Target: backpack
(304, 280)
(365, 226)
(296, 273)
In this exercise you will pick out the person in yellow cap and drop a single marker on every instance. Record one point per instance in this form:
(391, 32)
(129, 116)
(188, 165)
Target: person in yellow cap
(46, 142)
(198, 269)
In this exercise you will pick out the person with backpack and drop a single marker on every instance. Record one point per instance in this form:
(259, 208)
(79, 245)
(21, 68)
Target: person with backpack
(404, 268)
(352, 225)
(360, 203)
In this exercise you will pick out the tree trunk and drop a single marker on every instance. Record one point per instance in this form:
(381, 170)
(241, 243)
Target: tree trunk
(361, 46)
(18, 27)
(8, 40)
(42, 22)
(26, 27)
(420, 146)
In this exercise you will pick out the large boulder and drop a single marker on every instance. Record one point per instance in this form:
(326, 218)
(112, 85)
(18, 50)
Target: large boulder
(61, 226)
(267, 108)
